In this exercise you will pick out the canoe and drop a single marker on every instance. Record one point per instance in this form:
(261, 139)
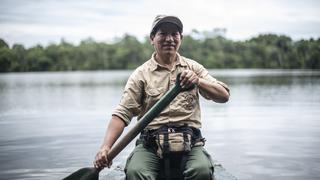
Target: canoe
(220, 173)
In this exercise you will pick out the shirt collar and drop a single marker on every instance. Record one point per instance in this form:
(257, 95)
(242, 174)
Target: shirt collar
(155, 64)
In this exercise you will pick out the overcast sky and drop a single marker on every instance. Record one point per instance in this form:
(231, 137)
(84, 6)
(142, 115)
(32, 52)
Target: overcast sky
(31, 22)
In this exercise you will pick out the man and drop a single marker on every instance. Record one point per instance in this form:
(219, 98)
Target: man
(145, 86)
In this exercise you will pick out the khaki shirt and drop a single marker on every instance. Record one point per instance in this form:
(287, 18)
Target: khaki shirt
(149, 82)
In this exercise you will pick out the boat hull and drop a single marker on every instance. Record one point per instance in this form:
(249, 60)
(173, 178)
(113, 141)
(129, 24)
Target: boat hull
(220, 173)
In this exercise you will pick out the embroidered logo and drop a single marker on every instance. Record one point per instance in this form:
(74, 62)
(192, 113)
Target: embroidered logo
(189, 102)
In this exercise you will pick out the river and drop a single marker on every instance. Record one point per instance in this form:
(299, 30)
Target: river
(52, 123)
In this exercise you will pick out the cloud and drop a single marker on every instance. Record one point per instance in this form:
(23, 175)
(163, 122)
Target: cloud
(34, 21)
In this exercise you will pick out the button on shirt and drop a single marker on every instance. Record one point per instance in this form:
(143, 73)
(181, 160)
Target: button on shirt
(150, 81)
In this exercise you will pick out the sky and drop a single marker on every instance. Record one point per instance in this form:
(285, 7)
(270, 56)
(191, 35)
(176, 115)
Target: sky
(32, 22)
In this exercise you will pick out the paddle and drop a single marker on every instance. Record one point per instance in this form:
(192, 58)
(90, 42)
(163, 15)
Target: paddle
(93, 173)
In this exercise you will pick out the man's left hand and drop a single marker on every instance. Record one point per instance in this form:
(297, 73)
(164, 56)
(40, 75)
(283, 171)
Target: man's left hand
(188, 78)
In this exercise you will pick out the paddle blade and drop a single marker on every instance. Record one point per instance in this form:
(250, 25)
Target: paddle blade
(84, 174)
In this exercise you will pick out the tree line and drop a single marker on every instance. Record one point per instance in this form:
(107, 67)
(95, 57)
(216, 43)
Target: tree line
(210, 49)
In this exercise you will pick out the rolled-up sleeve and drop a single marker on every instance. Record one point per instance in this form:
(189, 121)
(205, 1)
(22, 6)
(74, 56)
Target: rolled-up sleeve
(130, 103)
(204, 74)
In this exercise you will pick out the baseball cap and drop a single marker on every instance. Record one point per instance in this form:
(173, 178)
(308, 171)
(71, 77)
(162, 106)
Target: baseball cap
(166, 19)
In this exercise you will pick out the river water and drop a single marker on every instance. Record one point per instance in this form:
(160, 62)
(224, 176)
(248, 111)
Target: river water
(52, 124)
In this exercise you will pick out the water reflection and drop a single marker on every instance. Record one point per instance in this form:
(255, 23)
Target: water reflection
(52, 123)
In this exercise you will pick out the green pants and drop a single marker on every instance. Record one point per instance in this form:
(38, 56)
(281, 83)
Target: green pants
(143, 164)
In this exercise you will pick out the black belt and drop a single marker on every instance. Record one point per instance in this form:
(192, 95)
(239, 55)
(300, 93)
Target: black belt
(146, 136)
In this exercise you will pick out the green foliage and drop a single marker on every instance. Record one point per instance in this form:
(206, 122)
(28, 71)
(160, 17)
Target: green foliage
(211, 49)
(5, 57)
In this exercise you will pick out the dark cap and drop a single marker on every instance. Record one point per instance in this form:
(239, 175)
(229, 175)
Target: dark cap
(165, 19)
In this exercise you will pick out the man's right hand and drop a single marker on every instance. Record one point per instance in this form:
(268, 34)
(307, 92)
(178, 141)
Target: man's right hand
(101, 159)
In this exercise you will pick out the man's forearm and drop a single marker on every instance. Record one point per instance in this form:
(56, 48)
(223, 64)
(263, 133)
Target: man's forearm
(114, 130)
(215, 91)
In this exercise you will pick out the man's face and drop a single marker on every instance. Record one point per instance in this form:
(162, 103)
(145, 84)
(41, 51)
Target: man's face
(167, 39)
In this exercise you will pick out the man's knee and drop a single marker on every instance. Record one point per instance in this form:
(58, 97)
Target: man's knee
(135, 172)
(199, 172)
(199, 166)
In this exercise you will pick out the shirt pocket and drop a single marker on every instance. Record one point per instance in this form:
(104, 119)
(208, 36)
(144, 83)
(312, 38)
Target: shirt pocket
(153, 95)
